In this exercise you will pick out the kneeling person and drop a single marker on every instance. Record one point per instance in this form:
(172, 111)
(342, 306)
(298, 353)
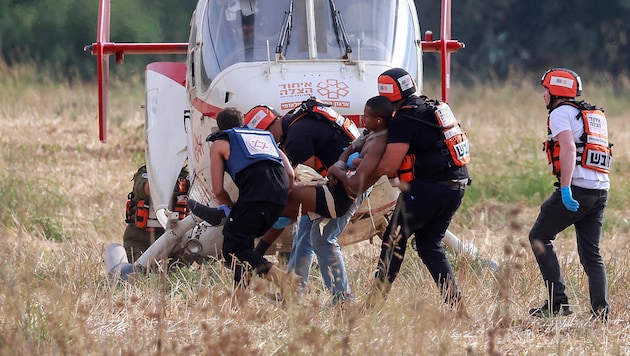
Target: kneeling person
(263, 176)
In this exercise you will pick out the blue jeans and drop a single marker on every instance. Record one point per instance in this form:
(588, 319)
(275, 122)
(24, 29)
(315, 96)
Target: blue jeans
(309, 241)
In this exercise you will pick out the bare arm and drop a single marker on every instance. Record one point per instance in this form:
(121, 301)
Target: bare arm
(336, 175)
(288, 168)
(567, 157)
(392, 158)
(366, 173)
(219, 152)
(346, 153)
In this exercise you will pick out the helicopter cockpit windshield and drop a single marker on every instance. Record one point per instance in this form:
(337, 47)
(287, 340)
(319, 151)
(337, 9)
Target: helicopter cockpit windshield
(261, 30)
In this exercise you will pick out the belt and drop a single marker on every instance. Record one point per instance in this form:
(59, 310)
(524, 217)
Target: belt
(586, 191)
(457, 183)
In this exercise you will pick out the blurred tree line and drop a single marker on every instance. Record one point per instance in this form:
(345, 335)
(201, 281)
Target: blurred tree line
(504, 36)
(52, 33)
(501, 36)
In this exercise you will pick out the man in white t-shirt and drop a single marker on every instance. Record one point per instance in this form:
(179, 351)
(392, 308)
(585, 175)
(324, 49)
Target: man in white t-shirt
(579, 155)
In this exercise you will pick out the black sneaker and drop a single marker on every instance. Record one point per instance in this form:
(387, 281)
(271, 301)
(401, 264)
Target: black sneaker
(546, 312)
(213, 216)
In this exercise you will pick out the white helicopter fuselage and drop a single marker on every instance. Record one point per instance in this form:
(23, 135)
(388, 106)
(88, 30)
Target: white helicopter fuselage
(227, 70)
(243, 53)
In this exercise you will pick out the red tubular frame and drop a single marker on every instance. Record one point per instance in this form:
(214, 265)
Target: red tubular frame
(103, 48)
(445, 46)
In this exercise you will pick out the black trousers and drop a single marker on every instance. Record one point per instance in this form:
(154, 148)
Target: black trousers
(426, 210)
(246, 222)
(588, 220)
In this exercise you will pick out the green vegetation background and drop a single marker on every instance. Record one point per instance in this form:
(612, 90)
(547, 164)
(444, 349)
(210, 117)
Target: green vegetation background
(501, 36)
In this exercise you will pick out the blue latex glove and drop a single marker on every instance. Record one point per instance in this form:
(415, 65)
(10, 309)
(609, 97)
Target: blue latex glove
(226, 209)
(351, 158)
(281, 223)
(567, 199)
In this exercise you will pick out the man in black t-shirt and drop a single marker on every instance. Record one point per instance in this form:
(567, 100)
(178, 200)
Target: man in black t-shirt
(435, 186)
(316, 143)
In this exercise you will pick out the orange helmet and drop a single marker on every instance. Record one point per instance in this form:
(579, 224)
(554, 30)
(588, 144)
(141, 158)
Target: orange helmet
(396, 84)
(562, 82)
(261, 117)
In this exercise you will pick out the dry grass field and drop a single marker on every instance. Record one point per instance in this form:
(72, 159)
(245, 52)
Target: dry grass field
(63, 194)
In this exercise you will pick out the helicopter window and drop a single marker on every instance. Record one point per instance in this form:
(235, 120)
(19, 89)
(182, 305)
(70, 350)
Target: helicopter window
(239, 31)
(192, 47)
(285, 31)
(249, 30)
(369, 25)
(343, 26)
(209, 63)
(406, 54)
(340, 29)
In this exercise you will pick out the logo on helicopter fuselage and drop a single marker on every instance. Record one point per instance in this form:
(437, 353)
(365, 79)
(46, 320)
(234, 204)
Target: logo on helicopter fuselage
(330, 91)
(198, 147)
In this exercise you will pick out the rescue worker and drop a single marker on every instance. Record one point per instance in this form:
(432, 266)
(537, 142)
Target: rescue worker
(579, 154)
(264, 178)
(313, 135)
(143, 227)
(428, 150)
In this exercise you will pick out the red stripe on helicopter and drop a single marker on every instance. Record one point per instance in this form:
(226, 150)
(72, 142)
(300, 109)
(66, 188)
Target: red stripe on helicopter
(205, 109)
(173, 70)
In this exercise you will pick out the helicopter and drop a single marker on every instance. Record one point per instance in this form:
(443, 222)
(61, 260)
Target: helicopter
(243, 53)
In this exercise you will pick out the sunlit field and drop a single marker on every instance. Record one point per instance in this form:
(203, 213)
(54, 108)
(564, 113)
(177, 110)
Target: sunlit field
(63, 196)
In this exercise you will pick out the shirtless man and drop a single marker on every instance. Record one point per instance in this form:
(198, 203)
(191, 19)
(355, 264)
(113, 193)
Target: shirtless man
(362, 156)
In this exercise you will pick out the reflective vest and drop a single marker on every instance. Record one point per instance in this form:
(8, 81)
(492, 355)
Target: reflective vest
(248, 146)
(321, 110)
(456, 147)
(455, 138)
(406, 170)
(139, 211)
(180, 195)
(593, 150)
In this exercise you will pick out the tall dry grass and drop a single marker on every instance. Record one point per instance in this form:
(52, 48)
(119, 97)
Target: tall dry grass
(63, 197)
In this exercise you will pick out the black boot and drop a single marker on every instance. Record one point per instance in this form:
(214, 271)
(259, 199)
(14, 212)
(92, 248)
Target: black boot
(545, 311)
(213, 216)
